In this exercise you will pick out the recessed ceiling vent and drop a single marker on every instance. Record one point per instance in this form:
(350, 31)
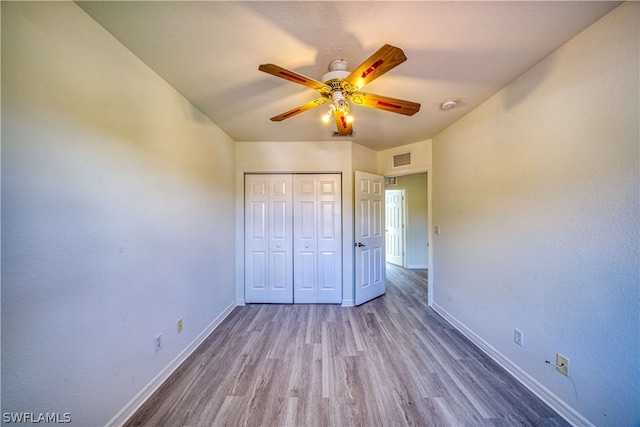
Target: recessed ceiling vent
(401, 160)
(390, 181)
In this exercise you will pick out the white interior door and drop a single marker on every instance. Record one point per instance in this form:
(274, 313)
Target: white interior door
(395, 227)
(317, 238)
(268, 239)
(370, 269)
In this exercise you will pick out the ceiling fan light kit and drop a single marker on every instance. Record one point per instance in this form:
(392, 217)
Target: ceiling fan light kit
(339, 86)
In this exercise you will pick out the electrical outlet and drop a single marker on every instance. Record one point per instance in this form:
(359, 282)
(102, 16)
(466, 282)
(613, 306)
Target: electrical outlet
(157, 342)
(562, 364)
(518, 337)
(180, 325)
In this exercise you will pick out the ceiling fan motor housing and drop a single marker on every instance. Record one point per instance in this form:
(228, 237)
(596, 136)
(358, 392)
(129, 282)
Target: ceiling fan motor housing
(337, 70)
(338, 64)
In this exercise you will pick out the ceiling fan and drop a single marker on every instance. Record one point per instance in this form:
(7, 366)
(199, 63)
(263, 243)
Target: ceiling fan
(339, 86)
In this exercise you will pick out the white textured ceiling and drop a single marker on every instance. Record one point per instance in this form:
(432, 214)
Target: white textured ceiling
(210, 52)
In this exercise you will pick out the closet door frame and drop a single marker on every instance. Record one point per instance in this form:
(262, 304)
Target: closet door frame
(293, 244)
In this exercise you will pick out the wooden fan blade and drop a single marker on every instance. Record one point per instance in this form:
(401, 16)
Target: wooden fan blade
(385, 103)
(300, 109)
(292, 76)
(344, 128)
(386, 58)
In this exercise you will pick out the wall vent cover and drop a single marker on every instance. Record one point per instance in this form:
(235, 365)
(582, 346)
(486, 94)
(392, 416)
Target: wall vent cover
(401, 160)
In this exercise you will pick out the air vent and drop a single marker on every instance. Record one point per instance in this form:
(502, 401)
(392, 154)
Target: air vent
(401, 160)
(391, 181)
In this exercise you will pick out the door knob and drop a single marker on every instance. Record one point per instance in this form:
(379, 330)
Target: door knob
(359, 245)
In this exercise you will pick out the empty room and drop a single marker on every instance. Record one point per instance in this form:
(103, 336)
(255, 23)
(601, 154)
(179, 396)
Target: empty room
(337, 213)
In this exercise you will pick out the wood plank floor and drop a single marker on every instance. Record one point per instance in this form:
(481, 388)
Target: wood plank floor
(389, 362)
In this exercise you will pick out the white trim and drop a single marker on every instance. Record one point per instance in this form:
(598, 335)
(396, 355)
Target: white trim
(557, 404)
(430, 281)
(348, 303)
(405, 222)
(138, 400)
(417, 267)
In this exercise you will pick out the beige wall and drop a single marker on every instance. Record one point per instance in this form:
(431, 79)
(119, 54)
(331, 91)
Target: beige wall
(536, 193)
(117, 217)
(421, 159)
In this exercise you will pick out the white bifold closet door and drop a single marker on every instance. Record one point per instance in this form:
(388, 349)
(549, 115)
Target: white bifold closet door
(268, 234)
(293, 233)
(317, 239)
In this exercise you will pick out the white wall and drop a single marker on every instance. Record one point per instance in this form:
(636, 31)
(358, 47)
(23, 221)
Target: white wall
(329, 156)
(537, 196)
(117, 217)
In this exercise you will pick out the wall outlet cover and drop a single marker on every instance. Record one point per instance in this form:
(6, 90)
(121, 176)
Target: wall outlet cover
(562, 364)
(518, 337)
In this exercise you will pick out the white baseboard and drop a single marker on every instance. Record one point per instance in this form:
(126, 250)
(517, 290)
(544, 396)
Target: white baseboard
(557, 404)
(348, 303)
(138, 400)
(417, 266)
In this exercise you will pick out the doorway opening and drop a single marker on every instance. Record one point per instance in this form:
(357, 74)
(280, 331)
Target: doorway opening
(407, 221)
(418, 250)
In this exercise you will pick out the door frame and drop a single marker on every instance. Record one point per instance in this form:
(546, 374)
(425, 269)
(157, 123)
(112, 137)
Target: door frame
(430, 233)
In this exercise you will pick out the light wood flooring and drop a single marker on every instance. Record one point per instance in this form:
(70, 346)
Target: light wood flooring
(390, 362)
